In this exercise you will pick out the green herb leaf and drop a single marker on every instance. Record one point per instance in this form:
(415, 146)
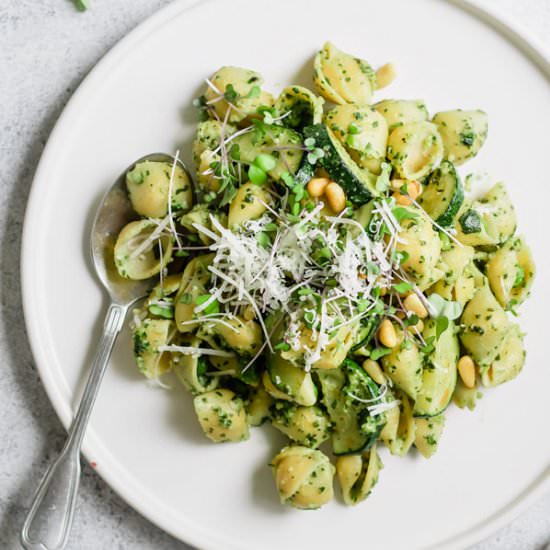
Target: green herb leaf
(444, 308)
(263, 239)
(441, 325)
(402, 287)
(376, 353)
(230, 94)
(411, 321)
(401, 213)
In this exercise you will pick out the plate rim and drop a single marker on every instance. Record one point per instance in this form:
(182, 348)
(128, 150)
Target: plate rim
(526, 41)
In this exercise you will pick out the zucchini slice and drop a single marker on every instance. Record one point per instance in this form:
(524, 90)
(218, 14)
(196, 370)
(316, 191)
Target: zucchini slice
(366, 332)
(443, 195)
(305, 172)
(347, 392)
(358, 183)
(440, 374)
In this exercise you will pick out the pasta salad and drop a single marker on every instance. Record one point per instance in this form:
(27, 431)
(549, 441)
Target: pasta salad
(328, 272)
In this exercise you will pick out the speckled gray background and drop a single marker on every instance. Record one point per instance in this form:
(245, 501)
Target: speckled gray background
(46, 49)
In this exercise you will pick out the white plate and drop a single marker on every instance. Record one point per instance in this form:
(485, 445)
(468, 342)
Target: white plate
(145, 440)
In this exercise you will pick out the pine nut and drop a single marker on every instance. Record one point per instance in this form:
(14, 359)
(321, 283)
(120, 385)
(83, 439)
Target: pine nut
(316, 186)
(413, 303)
(414, 190)
(385, 75)
(401, 199)
(387, 334)
(467, 371)
(336, 198)
(372, 368)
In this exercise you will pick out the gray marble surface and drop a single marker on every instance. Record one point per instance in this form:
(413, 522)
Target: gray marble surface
(46, 49)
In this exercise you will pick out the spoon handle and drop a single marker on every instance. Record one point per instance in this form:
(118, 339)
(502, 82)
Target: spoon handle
(50, 517)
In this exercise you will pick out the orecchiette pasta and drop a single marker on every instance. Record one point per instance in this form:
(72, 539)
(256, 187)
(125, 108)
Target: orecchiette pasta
(423, 247)
(303, 477)
(208, 137)
(222, 416)
(415, 149)
(485, 326)
(285, 381)
(335, 350)
(403, 366)
(458, 281)
(399, 432)
(191, 370)
(342, 78)
(238, 91)
(509, 361)
(138, 255)
(510, 271)
(299, 106)
(249, 203)
(259, 407)
(192, 286)
(463, 133)
(490, 220)
(308, 426)
(149, 183)
(362, 131)
(427, 434)
(402, 111)
(148, 336)
(358, 474)
(245, 337)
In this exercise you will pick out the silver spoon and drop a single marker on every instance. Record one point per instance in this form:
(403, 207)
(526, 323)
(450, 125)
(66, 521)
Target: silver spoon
(49, 520)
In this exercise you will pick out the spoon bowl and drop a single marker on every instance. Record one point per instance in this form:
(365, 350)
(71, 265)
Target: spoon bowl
(113, 213)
